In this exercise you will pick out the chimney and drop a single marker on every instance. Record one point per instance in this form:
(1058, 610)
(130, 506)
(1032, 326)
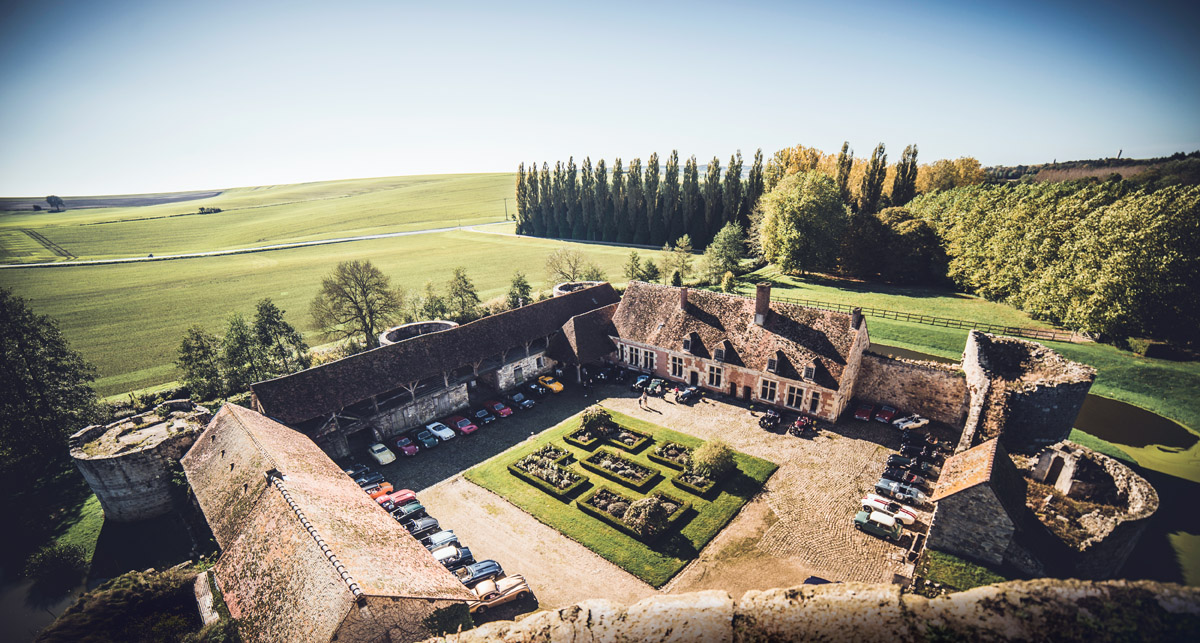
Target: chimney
(856, 318)
(762, 303)
(683, 298)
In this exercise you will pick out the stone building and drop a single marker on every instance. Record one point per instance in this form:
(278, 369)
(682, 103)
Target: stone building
(305, 554)
(804, 359)
(424, 373)
(980, 505)
(128, 463)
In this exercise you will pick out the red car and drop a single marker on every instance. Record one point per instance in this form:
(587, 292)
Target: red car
(864, 412)
(398, 498)
(464, 426)
(499, 409)
(885, 414)
(407, 446)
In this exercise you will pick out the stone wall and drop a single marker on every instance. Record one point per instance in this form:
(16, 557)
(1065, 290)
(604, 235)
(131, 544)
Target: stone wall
(1036, 610)
(506, 377)
(936, 391)
(972, 524)
(424, 410)
(853, 373)
(1041, 414)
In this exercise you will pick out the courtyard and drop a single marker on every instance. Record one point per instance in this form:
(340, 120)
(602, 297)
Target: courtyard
(799, 524)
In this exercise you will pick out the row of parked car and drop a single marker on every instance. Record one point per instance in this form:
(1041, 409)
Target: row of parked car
(908, 477)
(435, 433)
(889, 415)
(486, 578)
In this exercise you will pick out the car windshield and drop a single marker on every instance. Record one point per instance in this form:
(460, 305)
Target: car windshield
(424, 435)
(378, 448)
(518, 397)
(462, 424)
(548, 380)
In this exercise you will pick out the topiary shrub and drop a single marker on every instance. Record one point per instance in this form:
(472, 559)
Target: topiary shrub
(595, 418)
(712, 460)
(648, 516)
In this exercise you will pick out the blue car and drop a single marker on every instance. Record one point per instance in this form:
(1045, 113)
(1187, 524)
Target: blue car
(639, 383)
(479, 572)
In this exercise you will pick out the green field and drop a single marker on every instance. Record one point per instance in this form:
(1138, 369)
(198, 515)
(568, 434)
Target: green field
(262, 215)
(656, 563)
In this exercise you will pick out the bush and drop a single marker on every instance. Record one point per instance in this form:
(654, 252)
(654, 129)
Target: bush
(712, 460)
(57, 567)
(648, 516)
(595, 418)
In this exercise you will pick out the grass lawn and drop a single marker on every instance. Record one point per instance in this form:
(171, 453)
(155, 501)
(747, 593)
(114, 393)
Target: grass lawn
(959, 574)
(128, 319)
(83, 527)
(654, 564)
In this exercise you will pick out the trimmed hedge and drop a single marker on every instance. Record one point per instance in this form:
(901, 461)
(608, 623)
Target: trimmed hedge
(563, 494)
(589, 445)
(642, 441)
(691, 488)
(674, 464)
(672, 522)
(636, 485)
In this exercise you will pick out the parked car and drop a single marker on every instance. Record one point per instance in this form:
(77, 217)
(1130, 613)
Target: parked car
(536, 390)
(520, 401)
(381, 453)
(493, 593)
(471, 575)
(909, 422)
(439, 539)
(425, 437)
(398, 498)
(409, 511)
(656, 386)
(770, 419)
(407, 446)
(639, 382)
(380, 491)
(464, 426)
(864, 412)
(369, 478)
(606, 373)
(901, 491)
(482, 417)
(917, 440)
(879, 524)
(688, 394)
(550, 383)
(908, 477)
(873, 502)
(357, 469)
(453, 557)
(497, 408)
(421, 527)
(885, 414)
(925, 451)
(916, 465)
(443, 432)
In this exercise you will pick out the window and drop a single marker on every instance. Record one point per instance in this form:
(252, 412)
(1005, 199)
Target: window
(814, 402)
(648, 359)
(635, 356)
(687, 343)
(719, 354)
(809, 371)
(624, 355)
(676, 366)
(772, 365)
(541, 362)
(714, 376)
(795, 397)
(767, 391)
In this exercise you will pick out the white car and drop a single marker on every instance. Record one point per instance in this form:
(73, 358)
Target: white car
(382, 454)
(910, 422)
(442, 431)
(873, 502)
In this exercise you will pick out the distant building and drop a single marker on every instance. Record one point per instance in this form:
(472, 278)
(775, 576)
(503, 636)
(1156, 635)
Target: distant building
(980, 499)
(305, 554)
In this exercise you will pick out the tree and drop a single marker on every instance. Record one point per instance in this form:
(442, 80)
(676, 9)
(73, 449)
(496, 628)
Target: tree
(636, 227)
(860, 256)
(433, 305)
(595, 418)
(199, 359)
(522, 208)
(669, 199)
(356, 301)
(712, 460)
(604, 213)
(754, 187)
(680, 259)
(803, 219)
(914, 254)
(872, 182)
(564, 264)
(676, 278)
(650, 271)
(691, 202)
(461, 299)
(47, 388)
(733, 191)
(533, 203)
(657, 229)
(587, 202)
(845, 163)
(518, 291)
(546, 201)
(242, 359)
(592, 272)
(725, 252)
(621, 231)
(633, 267)
(729, 282)
(284, 350)
(56, 203)
(904, 186)
(647, 516)
(713, 202)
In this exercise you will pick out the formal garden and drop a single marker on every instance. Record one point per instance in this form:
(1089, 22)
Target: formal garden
(644, 497)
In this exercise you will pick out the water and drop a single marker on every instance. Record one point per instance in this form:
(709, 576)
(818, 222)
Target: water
(25, 616)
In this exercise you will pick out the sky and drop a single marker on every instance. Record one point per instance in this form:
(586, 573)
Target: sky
(147, 96)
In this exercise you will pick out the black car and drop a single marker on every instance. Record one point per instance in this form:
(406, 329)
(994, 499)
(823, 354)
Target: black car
(918, 466)
(453, 557)
(519, 401)
(357, 469)
(689, 394)
(472, 575)
(928, 452)
(482, 417)
(770, 419)
(425, 437)
(421, 527)
(368, 479)
(907, 477)
(535, 389)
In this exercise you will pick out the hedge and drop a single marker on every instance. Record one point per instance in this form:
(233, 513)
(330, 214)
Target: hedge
(644, 439)
(589, 445)
(691, 488)
(667, 461)
(562, 494)
(582, 503)
(650, 480)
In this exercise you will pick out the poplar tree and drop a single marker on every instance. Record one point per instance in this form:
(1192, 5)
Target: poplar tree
(533, 207)
(691, 202)
(904, 186)
(634, 230)
(578, 229)
(619, 229)
(733, 193)
(845, 163)
(872, 182)
(587, 202)
(606, 226)
(669, 198)
(547, 202)
(656, 230)
(713, 202)
(522, 212)
(754, 187)
(558, 203)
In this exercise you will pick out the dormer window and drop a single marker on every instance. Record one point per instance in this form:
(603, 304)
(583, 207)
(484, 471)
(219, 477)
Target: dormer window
(772, 365)
(719, 354)
(809, 371)
(687, 343)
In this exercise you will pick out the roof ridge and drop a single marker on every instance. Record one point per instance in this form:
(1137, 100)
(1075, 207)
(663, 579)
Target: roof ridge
(253, 438)
(338, 567)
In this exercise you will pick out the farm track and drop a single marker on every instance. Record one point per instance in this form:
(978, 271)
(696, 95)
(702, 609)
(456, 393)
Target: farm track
(48, 244)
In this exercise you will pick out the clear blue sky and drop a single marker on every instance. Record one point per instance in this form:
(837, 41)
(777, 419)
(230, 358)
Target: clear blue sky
(122, 96)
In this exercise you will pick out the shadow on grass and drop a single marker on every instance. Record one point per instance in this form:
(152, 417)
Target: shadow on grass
(159, 543)
(38, 508)
(865, 287)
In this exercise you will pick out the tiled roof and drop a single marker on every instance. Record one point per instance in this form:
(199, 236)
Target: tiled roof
(327, 388)
(586, 338)
(795, 335)
(967, 469)
(272, 567)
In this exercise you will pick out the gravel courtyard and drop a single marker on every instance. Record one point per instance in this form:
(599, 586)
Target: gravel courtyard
(800, 525)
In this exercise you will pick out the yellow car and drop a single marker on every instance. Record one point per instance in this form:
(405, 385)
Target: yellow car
(551, 383)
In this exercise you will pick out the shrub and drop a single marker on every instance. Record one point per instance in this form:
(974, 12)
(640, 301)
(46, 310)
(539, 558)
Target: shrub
(57, 567)
(712, 460)
(648, 516)
(671, 454)
(595, 418)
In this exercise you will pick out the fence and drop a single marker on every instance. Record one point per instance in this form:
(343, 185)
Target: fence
(944, 322)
